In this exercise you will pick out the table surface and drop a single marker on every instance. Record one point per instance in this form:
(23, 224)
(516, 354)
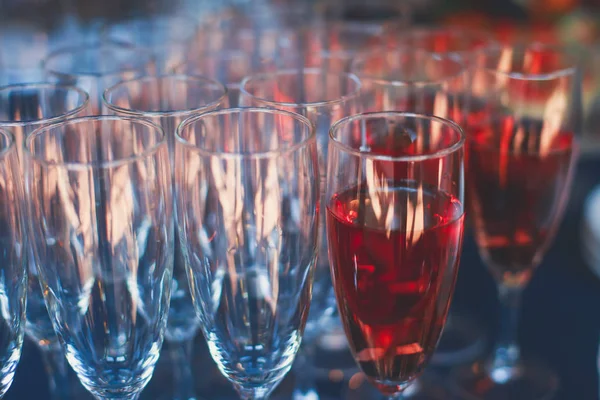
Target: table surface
(559, 323)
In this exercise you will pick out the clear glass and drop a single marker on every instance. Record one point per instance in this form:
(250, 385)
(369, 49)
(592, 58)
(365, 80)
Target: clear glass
(13, 277)
(458, 43)
(229, 67)
(248, 209)
(395, 214)
(23, 108)
(323, 97)
(97, 66)
(525, 116)
(334, 44)
(168, 37)
(102, 231)
(168, 100)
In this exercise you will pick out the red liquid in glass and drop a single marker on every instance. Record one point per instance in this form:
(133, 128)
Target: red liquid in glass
(518, 179)
(394, 255)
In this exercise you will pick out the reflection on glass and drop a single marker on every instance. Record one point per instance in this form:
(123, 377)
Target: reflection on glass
(247, 202)
(102, 231)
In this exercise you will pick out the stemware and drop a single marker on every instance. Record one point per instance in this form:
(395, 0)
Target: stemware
(463, 340)
(100, 208)
(96, 66)
(168, 38)
(229, 67)
(331, 44)
(525, 112)
(394, 226)
(248, 208)
(168, 100)
(418, 81)
(13, 244)
(323, 97)
(23, 108)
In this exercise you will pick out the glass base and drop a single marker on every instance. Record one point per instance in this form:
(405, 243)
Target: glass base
(462, 342)
(525, 382)
(429, 386)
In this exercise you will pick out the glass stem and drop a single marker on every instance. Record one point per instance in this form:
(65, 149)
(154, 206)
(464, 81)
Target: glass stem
(183, 380)
(305, 377)
(507, 352)
(57, 370)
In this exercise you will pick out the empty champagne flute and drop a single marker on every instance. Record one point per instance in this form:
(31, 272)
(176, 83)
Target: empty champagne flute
(525, 114)
(168, 38)
(395, 216)
(330, 44)
(13, 246)
(101, 221)
(229, 67)
(97, 66)
(247, 189)
(167, 100)
(24, 108)
(323, 97)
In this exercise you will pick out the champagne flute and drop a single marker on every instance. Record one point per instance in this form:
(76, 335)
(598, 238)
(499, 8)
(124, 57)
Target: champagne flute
(23, 108)
(13, 247)
(97, 66)
(323, 97)
(167, 100)
(525, 113)
(248, 209)
(102, 232)
(394, 226)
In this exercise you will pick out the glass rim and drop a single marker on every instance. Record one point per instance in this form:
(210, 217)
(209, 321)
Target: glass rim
(310, 138)
(138, 51)
(291, 71)
(80, 166)
(437, 57)
(47, 85)
(459, 144)
(521, 49)
(11, 146)
(174, 113)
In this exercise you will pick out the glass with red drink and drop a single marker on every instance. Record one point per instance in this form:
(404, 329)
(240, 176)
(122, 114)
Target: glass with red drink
(394, 225)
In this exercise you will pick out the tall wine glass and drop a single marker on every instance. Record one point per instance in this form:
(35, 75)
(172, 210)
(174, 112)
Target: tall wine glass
(168, 38)
(323, 97)
(13, 277)
(167, 100)
(102, 231)
(521, 156)
(98, 66)
(23, 108)
(394, 225)
(248, 208)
